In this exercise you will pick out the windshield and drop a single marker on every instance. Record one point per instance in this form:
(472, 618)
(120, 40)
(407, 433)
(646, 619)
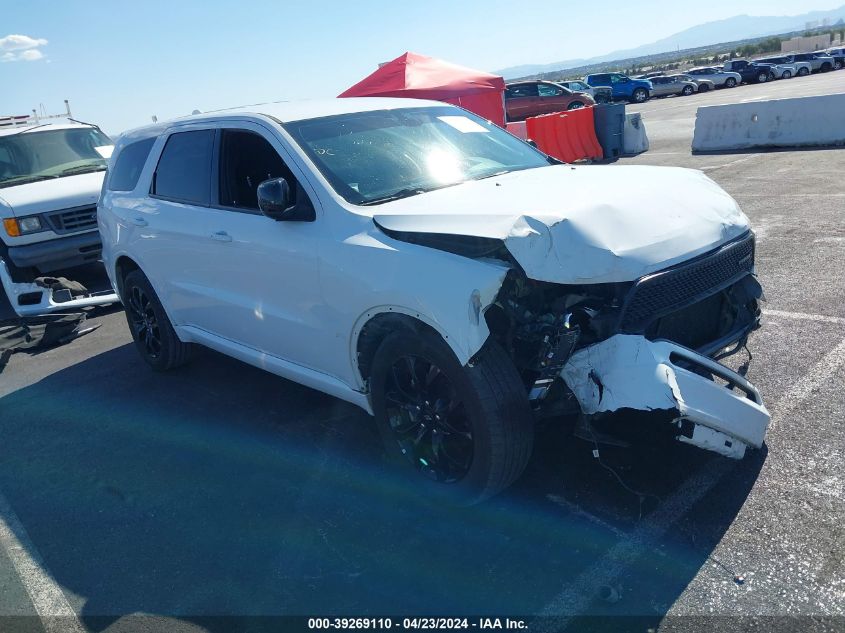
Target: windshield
(32, 155)
(373, 157)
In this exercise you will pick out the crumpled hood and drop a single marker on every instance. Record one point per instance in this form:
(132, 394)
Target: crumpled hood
(53, 194)
(581, 224)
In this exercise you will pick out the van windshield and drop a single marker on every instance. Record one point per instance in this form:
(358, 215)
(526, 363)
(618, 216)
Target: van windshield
(37, 154)
(375, 157)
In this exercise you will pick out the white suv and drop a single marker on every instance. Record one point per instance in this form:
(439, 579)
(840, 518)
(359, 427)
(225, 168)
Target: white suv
(50, 179)
(420, 262)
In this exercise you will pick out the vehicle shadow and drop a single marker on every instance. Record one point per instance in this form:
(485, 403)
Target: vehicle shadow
(218, 493)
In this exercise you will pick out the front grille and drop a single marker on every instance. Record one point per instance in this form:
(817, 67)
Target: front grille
(670, 290)
(73, 220)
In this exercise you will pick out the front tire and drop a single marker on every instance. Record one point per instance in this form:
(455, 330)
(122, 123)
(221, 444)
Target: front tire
(826, 67)
(803, 72)
(730, 82)
(786, 75)
(462, 433)
(837, 65)
(575, 105)
(762, 78)
(703, 88)
(151, 330)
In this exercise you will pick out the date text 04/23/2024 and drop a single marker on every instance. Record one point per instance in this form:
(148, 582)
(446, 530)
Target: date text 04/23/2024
(426, 623)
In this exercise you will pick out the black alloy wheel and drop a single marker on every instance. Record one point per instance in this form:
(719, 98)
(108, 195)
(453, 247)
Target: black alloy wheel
(428, 420)
(144, 323)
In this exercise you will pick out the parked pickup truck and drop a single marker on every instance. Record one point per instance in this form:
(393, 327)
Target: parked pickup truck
(750, 72)
(622, 86)
(419, 262)
(50, 178)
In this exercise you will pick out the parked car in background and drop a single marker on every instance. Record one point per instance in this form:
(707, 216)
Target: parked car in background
(783, 69)
(531, 301)
(600, 94)
(50, 178)
(838, 55)
(666, 86)
(524, 99)
(750, 72)
(654, 73)
(720, 77)
(819, 62)
(622, 86)
(704, 85)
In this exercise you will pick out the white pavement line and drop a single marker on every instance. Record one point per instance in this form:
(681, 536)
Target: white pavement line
(577, 595)
(801, 316)
(578, 511)
(49, 601)
(731, 163)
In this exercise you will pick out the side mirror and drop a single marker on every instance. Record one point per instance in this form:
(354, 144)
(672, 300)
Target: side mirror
(275, 199)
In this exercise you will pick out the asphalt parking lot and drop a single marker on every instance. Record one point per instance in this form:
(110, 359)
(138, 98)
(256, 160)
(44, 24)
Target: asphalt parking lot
(220, 490)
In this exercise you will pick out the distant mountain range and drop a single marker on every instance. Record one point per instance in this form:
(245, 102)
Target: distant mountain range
(738, 27)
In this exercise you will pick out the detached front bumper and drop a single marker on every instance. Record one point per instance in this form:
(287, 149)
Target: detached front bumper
(717, 409)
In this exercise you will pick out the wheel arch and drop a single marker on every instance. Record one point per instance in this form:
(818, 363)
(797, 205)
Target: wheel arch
(123, 265)
(375, 324)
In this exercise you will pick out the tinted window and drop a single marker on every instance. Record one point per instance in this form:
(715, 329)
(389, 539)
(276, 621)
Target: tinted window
(127, 169)
(184, 169)
(247, 160)
(546, 90)
(521, 90)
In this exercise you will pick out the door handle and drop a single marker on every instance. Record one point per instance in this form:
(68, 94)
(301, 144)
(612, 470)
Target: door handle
(139, 222)
(221, 236)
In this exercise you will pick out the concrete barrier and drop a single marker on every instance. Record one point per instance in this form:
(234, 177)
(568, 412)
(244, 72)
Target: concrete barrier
(805, 121)
(634, 138)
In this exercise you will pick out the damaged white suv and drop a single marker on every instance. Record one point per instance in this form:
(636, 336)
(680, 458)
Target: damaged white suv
(424, 264)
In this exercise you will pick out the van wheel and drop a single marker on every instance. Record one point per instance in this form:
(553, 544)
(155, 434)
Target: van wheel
(151, 330)
(461, 433)
(730, 82)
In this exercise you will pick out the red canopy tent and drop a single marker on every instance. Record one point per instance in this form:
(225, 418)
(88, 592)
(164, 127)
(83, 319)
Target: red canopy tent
(420, 77)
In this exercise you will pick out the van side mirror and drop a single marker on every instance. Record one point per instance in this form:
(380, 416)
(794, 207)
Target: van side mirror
(275, 199)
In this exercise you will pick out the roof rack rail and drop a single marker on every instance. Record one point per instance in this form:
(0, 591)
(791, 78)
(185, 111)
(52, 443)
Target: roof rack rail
(21, 120)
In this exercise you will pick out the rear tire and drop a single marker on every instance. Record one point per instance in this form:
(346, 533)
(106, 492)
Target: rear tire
(151, 330)
(687, 91)
(575, 105)
(424, 401)
(837, 65)
(730, 82)
(640, 95)
(762, 78)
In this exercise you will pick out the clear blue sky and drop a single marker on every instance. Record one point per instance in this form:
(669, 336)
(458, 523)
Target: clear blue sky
(120, 62)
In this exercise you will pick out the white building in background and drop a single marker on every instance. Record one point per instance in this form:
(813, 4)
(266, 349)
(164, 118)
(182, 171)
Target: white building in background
(812, 43)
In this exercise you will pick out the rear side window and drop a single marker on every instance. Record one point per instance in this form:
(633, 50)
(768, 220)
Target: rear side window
(184, 169)
(127, 169)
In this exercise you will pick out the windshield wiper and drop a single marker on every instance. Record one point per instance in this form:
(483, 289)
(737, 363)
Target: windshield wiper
(82, 169)
(398, 195)
(24, 180)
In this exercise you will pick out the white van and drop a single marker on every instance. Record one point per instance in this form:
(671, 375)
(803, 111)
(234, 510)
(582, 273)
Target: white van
(50, 179)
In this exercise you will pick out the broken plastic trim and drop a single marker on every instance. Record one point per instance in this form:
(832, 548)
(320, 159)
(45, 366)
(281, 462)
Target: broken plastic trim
(30, 299)
(631, 372)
